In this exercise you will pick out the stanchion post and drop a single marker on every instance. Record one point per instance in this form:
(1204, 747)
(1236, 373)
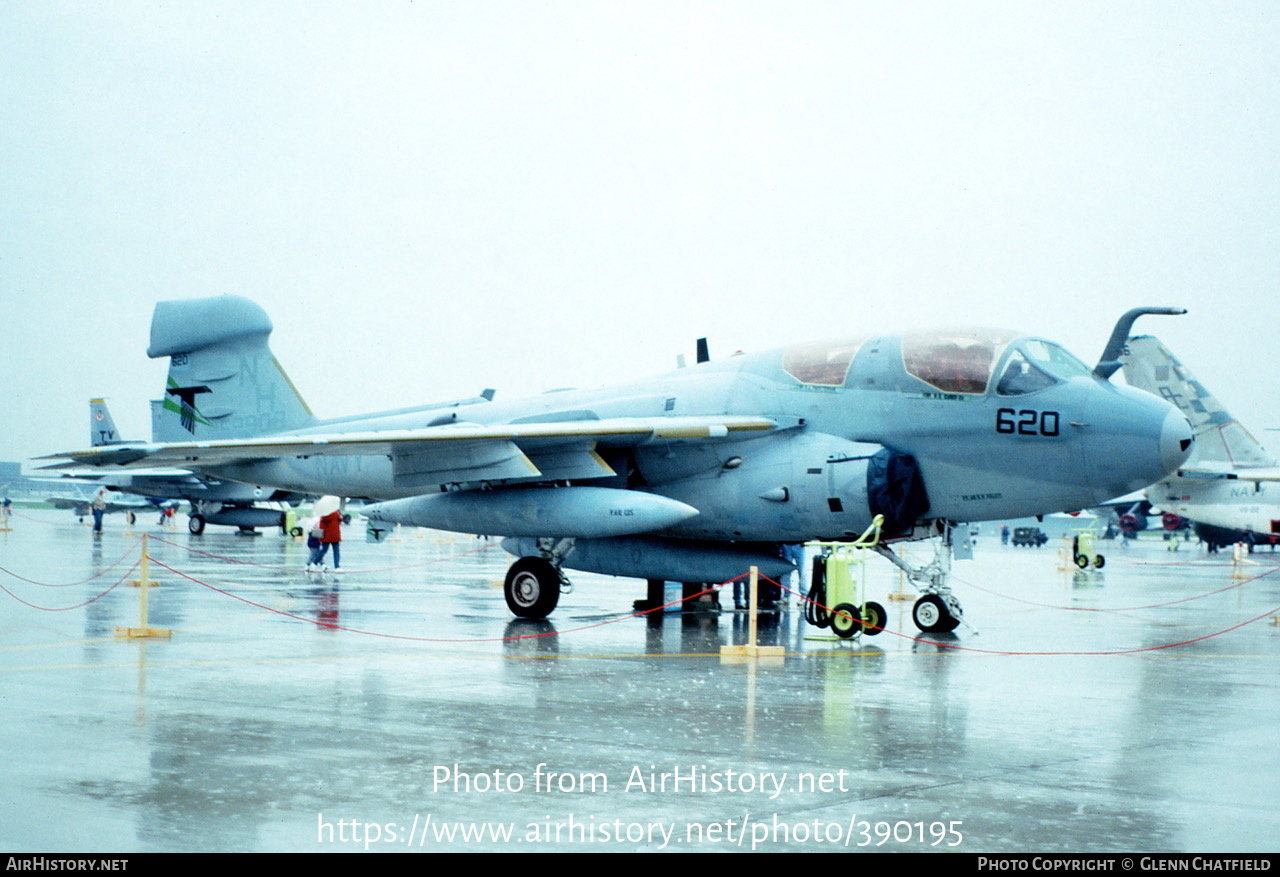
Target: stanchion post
(1239, 560)
(751, 650)
(144, 584)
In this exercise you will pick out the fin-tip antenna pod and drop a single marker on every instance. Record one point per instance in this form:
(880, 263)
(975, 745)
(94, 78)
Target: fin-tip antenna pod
(1109, 362)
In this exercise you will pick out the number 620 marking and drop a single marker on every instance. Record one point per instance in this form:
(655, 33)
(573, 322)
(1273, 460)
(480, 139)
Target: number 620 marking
(1026, 422)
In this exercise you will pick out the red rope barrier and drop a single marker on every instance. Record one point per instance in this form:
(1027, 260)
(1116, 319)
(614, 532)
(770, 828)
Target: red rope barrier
(93, 599)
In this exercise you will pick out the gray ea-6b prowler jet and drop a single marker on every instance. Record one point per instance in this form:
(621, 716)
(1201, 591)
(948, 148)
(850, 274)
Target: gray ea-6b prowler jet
(692, 476)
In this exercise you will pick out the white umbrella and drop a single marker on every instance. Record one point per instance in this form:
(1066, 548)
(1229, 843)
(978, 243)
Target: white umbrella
(326, 504)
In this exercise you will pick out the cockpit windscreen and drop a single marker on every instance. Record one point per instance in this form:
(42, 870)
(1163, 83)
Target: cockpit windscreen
(1035, 365)
(954, 361)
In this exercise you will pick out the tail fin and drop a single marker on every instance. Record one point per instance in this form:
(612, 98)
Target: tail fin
(102, 428)
(1220, 438)
(223, 381)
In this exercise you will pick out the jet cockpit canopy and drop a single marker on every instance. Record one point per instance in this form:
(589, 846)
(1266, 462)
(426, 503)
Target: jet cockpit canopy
(966, 361)
(1036, 364)
(956, 361)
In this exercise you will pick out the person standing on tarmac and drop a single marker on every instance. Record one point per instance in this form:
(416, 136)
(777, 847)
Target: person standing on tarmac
(99, 508)
(328, 509)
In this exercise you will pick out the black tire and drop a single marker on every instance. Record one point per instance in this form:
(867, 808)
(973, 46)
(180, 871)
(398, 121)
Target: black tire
(846, 620)
(195, 524)
(532, 588)
(954, 614)
(1082, 561)
(932, 615)
(1099, 562)
(874, 618)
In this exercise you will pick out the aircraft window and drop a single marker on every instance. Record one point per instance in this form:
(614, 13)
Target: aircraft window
(1021, 377)
(954, 361)
(824, 362)
(1054, 359)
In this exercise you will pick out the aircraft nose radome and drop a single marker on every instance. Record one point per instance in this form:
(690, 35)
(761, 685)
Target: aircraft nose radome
(1176, 440)
(1133, 439)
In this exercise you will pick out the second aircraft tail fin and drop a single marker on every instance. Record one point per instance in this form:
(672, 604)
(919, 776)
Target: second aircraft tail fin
(102, 427)
(1220, 438)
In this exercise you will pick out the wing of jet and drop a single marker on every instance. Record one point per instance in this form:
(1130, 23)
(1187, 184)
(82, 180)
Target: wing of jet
(691, 476)
(213, 500)
(1226, 481)
(80, 505)
(458, 453)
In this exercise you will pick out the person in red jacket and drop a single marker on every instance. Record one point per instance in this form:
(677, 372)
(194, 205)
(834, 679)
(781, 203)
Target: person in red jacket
(330, 526)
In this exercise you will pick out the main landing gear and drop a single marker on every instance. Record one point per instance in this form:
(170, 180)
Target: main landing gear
(533, 584)
(532, 587)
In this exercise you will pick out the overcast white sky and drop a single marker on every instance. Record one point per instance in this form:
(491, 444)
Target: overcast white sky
(430, 198)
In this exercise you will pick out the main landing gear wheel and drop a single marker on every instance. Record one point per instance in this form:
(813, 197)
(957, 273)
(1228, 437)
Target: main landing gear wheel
(532, 587)
(932, 614)
(195, 524)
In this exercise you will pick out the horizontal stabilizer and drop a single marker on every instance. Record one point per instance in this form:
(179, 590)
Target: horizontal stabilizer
(1270, 473)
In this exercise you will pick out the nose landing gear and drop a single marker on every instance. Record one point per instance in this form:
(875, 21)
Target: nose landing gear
(937, 610)
(937, 613)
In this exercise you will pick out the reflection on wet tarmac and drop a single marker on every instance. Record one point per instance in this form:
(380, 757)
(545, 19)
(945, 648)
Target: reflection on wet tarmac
(286, 701)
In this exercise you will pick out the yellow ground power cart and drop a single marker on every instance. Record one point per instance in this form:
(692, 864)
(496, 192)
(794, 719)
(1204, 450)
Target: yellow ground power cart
(1084, 550)
(837, 592)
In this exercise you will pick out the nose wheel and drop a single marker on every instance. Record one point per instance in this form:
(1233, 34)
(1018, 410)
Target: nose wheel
(937, 613)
